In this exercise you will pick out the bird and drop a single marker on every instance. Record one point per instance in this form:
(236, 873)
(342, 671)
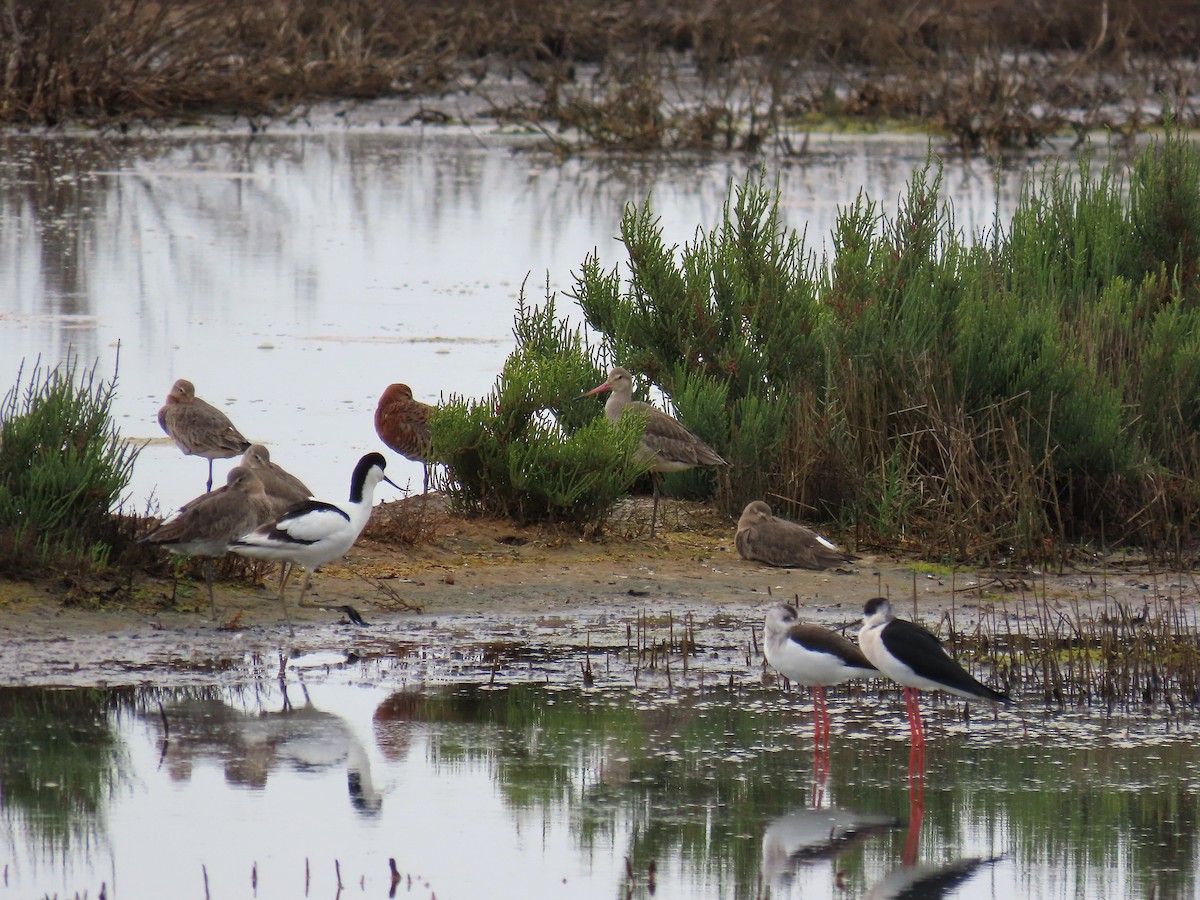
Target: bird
(276, 480)
(314, 532)
(814, 656)
(778, 542)
(912, 657)
(665, 443)
(199, 428)
(403, 424)
(280, 490)
(206, 525)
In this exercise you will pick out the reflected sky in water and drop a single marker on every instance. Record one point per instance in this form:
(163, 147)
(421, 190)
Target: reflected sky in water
(529, 790)
(292, 277)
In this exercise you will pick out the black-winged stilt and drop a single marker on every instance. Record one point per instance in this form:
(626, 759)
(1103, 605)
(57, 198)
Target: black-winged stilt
(813, 656)
(914, 658)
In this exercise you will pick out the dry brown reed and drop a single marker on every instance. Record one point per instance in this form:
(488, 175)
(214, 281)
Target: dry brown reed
(631, 74)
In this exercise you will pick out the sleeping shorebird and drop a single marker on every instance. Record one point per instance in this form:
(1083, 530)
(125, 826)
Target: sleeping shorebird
(665, 441)
(276, 480)
(912, 657)
(199, 428)
(813, 656)
(403, 424)
(206, 525)
(314, 532)
(778, 542)
(281, 489)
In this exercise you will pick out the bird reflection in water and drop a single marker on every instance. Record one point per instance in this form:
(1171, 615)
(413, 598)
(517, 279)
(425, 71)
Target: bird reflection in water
(252, 744)
(807, 835)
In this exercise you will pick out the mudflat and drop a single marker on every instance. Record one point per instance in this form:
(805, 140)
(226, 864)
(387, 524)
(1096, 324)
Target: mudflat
(470, 581)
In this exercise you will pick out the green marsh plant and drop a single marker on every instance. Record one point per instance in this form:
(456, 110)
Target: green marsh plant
(532, 450)
(63, 466)
(992, 396)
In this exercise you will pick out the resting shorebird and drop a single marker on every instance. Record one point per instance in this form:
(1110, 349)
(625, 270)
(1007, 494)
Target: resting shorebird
(281, 489)
(778, 542)
(403, 424)
(206, 525)
(912, 657)
(199, 428)
(670, 446)
(314, 532)
(812, 656)
(276, 480)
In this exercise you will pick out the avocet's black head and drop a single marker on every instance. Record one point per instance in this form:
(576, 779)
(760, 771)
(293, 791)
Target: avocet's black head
(369, 471)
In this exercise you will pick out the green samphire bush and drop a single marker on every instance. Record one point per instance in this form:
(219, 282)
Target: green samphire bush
(979, 397)
(983, 397)
(532, 450)
(63, 466)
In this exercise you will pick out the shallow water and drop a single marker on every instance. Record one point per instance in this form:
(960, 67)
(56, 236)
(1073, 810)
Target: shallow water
(519, 787)
(293, 276)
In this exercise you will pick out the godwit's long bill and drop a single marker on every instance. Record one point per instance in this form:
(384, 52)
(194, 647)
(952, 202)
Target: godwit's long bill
(778, 542)
(814, 656)
(666, 442)
(912, 657)
(206, 525)
(199, 428)
(314, 532)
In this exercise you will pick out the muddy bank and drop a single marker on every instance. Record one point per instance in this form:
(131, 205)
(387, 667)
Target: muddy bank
(468, 587)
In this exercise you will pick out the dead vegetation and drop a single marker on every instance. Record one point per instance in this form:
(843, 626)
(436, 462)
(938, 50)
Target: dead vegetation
(630, 75)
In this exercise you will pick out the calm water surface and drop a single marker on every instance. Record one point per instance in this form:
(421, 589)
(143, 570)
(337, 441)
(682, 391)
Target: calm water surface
(293, 276)
(524, 789)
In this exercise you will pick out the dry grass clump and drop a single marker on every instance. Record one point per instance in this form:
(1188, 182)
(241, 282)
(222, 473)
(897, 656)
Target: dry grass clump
(633, 75)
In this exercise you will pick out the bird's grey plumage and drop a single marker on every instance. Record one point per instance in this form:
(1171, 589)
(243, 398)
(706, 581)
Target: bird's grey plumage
(666, 444)
(276, 480)
(199, 428)
(778, 542)
(206, 525)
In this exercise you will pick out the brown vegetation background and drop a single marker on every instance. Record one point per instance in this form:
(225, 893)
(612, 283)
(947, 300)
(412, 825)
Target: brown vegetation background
(640, 75)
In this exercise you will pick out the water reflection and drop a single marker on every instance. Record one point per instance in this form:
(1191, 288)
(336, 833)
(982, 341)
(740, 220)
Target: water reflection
(250, 744)
(293, 276)
(704, 792)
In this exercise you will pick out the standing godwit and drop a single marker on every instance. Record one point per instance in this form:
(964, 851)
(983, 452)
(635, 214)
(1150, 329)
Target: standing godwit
(314, 532)
(199, 428)
(206, 525)
(812, 656)
(778, 542)
(403, 424)
(665, 441)
(911, 656)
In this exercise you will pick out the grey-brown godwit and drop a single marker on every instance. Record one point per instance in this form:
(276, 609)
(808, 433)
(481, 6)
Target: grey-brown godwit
(199, 428)
(280, 490)
(314, 532)
(665, 442)
(276, 480)
(402, 423)
(206, 525)
(778, 542)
